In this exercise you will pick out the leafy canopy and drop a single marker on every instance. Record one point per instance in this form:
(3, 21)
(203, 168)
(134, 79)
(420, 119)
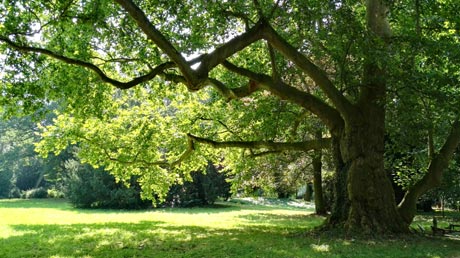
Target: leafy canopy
(253, 93)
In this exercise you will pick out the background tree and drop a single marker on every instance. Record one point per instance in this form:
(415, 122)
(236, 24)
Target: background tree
(22, 169)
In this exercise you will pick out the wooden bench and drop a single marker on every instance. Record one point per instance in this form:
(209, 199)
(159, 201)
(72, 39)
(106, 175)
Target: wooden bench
(438, 231)
(442, 231)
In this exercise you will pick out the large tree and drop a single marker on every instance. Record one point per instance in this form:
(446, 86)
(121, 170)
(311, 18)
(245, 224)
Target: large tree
(349, 63)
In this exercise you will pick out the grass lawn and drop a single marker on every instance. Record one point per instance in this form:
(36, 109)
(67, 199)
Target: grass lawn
(52, 228)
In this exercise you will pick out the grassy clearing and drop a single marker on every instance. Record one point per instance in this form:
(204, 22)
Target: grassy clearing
(49, 228)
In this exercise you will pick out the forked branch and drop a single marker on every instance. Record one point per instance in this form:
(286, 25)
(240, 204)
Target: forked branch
(318, 75)
(433, 177)
(326, 113)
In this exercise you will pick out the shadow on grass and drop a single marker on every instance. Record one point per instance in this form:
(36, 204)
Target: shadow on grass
(159, 239)
(63, 204)
(282, 221)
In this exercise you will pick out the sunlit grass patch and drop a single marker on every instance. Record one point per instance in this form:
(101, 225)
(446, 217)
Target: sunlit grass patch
(232, 230)
(320, 248)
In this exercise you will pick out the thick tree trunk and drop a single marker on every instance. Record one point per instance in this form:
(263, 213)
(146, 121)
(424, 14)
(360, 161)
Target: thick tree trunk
(372, 203)
(372, 207)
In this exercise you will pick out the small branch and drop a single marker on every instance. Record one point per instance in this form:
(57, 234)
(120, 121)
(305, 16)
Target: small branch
(297, 123)
(221, 123)
(234, 93)
(272, 12)
(134, 161)
(259, 9)
(116, 60)
(247, 21)
(186, 154)
(121, 85)
(275, 73)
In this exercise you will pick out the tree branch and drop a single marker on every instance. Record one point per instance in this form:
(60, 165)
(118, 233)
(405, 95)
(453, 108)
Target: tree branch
(219, 122)
(326, 113)
(232, 93)
(195, 79)
(263, 153)
(160, 40)
(433, 177)
(268, 145)
(318, 75)
(275, 73)
(186, 154)
(121, 85)
(229, 48)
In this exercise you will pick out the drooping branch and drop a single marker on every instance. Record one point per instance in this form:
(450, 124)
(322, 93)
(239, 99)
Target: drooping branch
(433, 177)
(121, 85)
(326, 113)
(317, 74)
(227, 128)
(135, 160)
(266, 145)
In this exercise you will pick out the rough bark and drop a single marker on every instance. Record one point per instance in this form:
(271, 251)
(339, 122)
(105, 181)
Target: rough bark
(372, 203)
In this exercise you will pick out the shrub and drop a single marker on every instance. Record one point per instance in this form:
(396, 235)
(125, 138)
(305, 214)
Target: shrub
(55, 193)
(36, 193)
(86, 187)
(15, 193)
(204, 189)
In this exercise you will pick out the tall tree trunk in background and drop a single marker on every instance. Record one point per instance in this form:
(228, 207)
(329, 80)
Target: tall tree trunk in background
(39, 179)
(320, 206)
(308, 192)
(340, 202)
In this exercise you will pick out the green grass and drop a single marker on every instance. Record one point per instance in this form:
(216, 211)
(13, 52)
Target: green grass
(50, 228)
